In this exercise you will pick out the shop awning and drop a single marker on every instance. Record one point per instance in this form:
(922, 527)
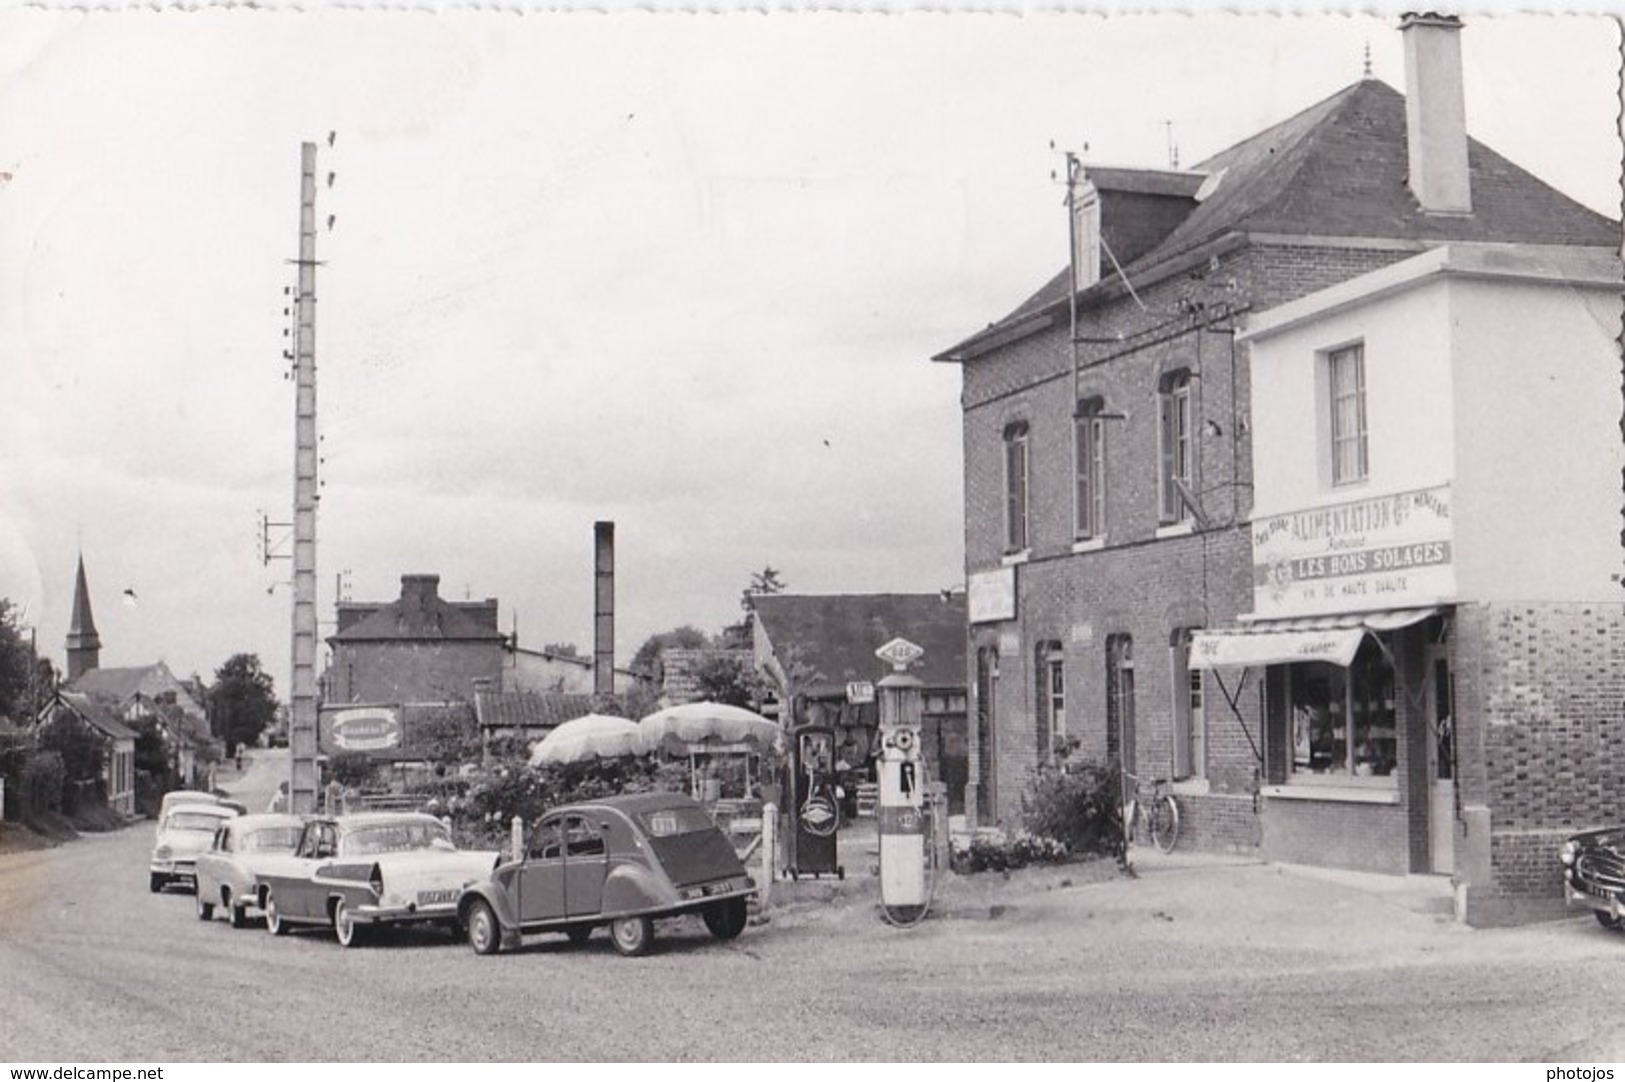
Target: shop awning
(1333, 639)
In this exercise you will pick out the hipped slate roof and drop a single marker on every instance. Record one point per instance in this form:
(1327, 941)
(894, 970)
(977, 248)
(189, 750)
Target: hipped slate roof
(837, 635)
(1338, 169)
(420, 613)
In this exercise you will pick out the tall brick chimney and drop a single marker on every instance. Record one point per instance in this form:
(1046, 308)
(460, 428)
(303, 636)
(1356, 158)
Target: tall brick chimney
(1436, 113)
(420, 589)
(603, 617)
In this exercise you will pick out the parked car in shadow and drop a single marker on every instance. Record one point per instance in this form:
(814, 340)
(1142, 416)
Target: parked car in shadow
(1594, 874)
(623, 862)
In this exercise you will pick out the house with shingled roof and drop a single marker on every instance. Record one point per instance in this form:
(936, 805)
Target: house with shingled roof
(1292, 642)
(99, 717)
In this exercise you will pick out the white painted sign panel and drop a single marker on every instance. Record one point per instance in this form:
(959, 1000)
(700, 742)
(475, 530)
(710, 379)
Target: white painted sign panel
(365, 728)
(1385, 552)
(991, 595)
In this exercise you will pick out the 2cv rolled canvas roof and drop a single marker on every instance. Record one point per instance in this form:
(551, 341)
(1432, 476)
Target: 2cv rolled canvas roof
(1336, 169)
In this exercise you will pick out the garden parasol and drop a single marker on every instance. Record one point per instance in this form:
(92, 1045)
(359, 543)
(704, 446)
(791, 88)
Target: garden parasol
(708, 728)
(593, 736)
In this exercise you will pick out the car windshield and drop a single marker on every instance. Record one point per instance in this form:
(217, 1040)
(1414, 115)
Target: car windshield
(270, 840)
(192, 821)
(669, 821)
(396, 838)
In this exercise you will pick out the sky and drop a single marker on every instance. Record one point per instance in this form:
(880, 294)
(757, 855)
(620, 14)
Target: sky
(680, 272)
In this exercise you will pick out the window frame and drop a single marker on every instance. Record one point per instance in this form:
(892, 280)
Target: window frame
(1017, 438)
(1089, 470)
(1086, 248)
(1358, 441)
(1176, 447)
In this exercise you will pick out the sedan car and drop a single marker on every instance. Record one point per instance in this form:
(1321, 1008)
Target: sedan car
(353, 872)
(184, 832)
(225, 873)
(622, 861)
(1594, 874)
(196, 796)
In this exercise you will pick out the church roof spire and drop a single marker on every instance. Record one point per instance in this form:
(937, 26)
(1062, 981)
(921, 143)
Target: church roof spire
(84, 645)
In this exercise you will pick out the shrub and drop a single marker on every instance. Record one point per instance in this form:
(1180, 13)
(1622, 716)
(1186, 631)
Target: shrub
(352, 769)
(997, 851)
(1077, 804)
(42, 779)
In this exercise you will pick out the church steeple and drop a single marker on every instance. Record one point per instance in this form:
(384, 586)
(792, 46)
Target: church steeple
(84, 645)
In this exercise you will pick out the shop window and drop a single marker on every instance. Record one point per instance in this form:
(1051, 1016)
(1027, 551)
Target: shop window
(1343, 722)
(1175, 453)
(1346, 378)
(1190, 723)
(1089, 498)
(1015, 487)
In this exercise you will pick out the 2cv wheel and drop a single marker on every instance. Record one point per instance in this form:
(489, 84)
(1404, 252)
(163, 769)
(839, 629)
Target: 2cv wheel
(483, 933)
(632, 935)
(1607, 920)
(726, 919)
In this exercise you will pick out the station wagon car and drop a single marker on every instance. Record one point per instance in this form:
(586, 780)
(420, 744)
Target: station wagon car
(184, 832)
(226, 872)
(354, 872)
(1594, 874)
(623, 861)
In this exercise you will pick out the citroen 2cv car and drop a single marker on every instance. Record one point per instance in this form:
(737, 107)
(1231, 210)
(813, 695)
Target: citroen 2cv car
(621, 861)
(1594, 874)
(353, 872)
(184, 832)
(226, 872)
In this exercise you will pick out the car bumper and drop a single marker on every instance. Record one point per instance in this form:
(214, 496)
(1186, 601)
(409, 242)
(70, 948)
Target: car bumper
(1599, 899)
(410, 912)
(175, 869)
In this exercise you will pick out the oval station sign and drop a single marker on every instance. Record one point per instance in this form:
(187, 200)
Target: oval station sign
(366, 729)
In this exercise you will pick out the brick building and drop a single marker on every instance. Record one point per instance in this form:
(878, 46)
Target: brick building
(1110, 433)
(390, 658)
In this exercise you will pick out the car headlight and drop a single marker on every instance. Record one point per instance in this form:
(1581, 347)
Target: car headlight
(1568, 852)
(163, 852)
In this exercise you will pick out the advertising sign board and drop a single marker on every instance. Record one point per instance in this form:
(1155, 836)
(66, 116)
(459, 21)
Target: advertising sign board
(1383, 552)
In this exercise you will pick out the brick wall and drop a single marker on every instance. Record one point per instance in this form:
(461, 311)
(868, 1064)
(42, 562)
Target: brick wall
(1218, 822)
(1540, 691)
(406, 671)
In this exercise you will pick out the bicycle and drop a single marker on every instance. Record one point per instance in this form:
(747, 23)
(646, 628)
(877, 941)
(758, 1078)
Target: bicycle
(1156, 809)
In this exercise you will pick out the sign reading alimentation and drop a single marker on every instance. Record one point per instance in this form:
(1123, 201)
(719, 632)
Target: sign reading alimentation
(361, 728)
(1384, 552)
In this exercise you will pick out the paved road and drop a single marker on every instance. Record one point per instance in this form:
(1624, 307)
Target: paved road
(1200, 959)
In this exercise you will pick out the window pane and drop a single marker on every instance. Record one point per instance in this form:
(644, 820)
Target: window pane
(1319, 727)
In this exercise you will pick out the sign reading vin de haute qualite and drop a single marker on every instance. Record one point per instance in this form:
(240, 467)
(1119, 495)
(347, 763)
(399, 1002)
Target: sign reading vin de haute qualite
(1384, 552)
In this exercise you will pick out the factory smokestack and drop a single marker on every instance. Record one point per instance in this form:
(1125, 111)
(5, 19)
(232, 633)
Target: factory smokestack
(603, 618)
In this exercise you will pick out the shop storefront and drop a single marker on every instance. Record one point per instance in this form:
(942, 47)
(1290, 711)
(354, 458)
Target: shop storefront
(1359, 760)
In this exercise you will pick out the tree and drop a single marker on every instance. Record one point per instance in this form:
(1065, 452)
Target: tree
(242, 700)
(687, 637)
(728, 678)
(766, 581)
(17, 663)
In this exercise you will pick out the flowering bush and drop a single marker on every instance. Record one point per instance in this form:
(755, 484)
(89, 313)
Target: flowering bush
(485, 811)
(999, 851)
(1076, 803)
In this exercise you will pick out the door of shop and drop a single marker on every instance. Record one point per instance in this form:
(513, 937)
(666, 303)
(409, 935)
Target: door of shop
(1441, 761)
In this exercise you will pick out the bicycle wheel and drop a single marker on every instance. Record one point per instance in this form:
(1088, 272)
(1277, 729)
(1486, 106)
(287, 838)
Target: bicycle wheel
(1164, 823)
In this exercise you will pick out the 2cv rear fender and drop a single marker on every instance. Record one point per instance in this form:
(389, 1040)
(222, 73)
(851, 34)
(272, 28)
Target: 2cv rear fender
(634, 888)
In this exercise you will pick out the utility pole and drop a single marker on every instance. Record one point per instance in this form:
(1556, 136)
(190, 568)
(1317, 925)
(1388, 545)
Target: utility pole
(303, 784)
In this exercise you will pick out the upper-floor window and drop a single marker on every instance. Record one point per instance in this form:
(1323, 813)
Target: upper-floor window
(1089, 502)
(1016, 537)
(1175, 450)
(1346, 378)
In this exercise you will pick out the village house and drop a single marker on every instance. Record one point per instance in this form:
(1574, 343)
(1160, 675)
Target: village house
(1328, 344)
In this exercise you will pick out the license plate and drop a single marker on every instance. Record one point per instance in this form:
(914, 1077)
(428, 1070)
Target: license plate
(436, 897)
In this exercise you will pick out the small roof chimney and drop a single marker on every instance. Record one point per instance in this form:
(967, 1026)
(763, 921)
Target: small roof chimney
(1436, 113)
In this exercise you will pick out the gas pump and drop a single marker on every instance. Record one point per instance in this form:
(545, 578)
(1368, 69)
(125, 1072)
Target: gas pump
(905, 893)
(815, 813)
